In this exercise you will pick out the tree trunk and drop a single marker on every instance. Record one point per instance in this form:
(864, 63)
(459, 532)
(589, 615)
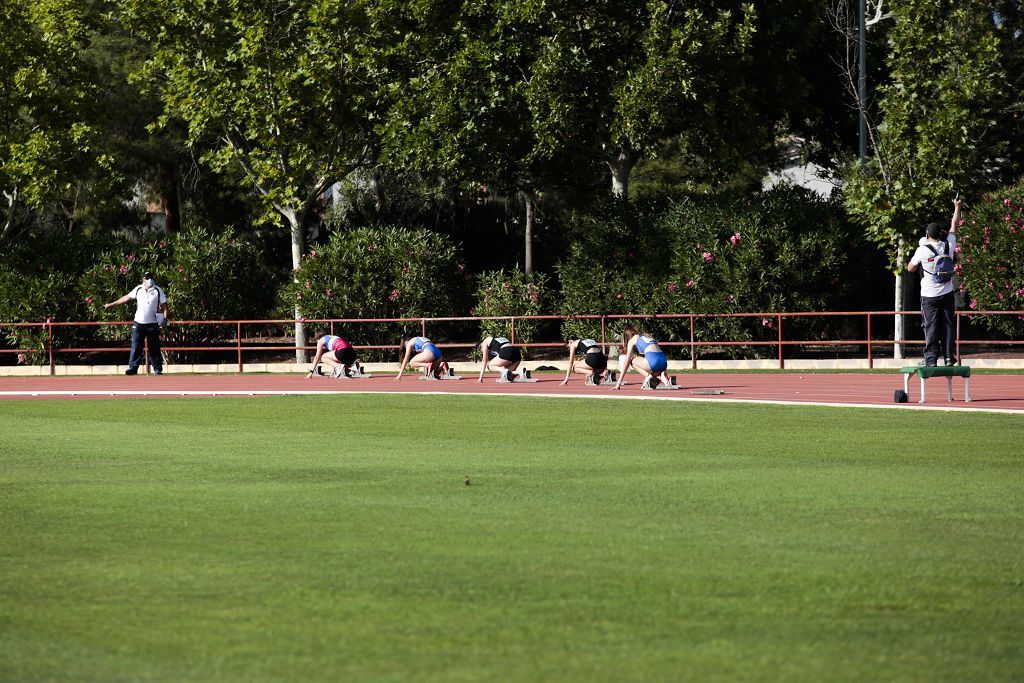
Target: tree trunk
(899, 333)
(621, 167)
(377, 190)
(298, 247)
(167, 182)
(528, 253)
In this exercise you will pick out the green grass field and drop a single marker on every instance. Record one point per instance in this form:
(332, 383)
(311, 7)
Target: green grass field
(334, 539)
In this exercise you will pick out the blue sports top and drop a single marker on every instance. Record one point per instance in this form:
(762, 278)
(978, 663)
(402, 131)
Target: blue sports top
(419, 342)
(643, 341)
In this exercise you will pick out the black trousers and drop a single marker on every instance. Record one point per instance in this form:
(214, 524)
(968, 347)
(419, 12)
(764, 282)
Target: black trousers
(141, 334)
(938, 318)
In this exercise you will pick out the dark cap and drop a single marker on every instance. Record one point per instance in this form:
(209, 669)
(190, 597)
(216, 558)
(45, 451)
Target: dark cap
(148, 275)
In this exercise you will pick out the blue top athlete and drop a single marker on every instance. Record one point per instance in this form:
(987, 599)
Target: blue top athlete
(642, 354)
(427, 358)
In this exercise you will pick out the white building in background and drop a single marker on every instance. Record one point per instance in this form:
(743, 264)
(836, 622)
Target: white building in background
(795, 172)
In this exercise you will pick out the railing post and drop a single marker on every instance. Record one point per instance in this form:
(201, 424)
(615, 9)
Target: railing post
(512, 327)
(49, 334)
(782, 362)
(238, 338)
(958, 355)
(693, 346)
(871, 360)
(604, 342)
(423, 327)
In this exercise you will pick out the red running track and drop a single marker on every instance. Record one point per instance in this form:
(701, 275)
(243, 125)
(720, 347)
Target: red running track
(1003, 393)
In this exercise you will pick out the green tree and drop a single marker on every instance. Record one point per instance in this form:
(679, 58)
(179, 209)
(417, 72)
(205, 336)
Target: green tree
(277, 89)
(50, 113)
(937, 131)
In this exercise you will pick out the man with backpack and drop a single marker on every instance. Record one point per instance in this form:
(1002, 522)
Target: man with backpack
(936, 258)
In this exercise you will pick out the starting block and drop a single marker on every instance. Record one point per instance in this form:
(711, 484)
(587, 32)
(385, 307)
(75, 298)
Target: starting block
(607, 382)
(661, 386)
(356, 372)
(947, 371)
(445, 373)
(517, 377)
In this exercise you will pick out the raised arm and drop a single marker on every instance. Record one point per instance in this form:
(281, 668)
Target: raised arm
(958, 206)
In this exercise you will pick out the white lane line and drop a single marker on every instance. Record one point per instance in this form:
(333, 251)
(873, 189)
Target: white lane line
(670, 396)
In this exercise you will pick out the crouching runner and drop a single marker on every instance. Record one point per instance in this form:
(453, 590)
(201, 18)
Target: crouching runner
(335, 352)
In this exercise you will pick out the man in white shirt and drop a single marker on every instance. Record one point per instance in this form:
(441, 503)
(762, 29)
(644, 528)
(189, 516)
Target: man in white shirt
(150, 299)
(935, 257)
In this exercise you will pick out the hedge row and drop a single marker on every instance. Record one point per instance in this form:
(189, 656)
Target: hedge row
(784, 249)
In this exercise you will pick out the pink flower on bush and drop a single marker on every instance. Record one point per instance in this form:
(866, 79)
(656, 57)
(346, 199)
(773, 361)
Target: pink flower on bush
(371, 248)
(767, 322)
(708, 257)
(618, 296)
(672, 287)
(329, 293)
(124, 270)
(21, 358)
(309, 285)
(312, 254)
(690, 283)
(394, 295)
(405, 270)
(734, 239)
(1007, 202)
(88, 299)
(131, 257)
(974, 303)
(298, 296)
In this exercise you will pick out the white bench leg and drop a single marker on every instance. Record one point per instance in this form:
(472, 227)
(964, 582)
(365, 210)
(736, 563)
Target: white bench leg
(922, 389)
(906, 384)
(967, 389)
(949, 388)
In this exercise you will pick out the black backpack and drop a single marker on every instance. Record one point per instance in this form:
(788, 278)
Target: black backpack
(942, 267)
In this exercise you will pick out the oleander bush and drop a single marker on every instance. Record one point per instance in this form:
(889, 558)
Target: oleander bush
(385, 272)
(206, 276)
(784, 249)
(991, 271)
(511, 293)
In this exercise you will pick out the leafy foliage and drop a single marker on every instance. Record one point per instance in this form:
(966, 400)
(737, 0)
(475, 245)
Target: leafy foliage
(992, 249)
(783, 250)
(206, 276)
(938, 126)
(378, 273)
(511, 293)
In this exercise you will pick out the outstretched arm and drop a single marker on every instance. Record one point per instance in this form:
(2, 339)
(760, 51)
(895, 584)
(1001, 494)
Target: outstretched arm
(484, 348)
(405, 361)
(319, 354)
(572, 360)
(630, 350)
(123, 300)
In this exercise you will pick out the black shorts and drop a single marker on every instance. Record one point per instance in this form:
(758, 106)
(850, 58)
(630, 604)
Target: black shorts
(510, 353)
(596, 360)
(346, 356)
